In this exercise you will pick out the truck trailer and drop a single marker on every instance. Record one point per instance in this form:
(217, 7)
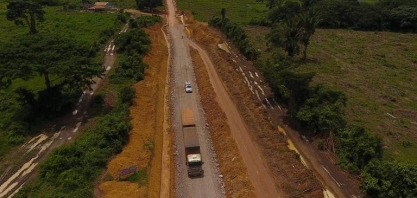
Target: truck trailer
(193, 158)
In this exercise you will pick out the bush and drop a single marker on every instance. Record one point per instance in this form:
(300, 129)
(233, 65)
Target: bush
(356, 148)
(391, 180)
(71, 169)
(126, 94)
(237, 35)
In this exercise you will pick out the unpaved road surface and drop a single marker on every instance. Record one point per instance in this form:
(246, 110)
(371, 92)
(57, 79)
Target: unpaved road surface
(182, 70)
(338, 181)
(258, 172)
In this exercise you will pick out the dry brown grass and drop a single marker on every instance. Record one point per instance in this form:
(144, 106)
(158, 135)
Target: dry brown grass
(234, 171)
(147, 116)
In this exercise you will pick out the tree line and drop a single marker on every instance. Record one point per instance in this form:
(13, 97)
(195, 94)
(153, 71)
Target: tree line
(71, 170)
(64, 65)
(392, 15)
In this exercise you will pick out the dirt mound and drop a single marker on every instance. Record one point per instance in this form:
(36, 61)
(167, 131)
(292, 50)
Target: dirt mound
(289, 174)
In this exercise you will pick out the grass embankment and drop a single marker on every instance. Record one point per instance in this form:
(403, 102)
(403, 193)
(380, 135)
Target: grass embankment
(83, 27)
(237, 11)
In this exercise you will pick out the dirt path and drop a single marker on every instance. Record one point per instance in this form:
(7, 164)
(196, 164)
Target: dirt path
(258, 172)
(64, 131)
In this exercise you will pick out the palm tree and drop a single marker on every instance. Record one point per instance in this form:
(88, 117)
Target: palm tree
(308, 21)
(292, 36)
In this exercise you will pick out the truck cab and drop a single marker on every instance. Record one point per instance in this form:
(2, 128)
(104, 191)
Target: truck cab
(194, 164)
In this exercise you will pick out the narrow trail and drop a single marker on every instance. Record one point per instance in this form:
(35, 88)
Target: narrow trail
(258, 172)
(63, 132)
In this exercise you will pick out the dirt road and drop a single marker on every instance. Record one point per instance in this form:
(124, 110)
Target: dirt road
(182, 70)
(258, 172)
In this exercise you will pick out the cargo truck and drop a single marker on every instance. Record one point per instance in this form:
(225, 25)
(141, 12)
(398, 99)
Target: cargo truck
(193, 158)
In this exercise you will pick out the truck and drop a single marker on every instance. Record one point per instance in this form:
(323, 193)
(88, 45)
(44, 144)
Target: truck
(193, 159)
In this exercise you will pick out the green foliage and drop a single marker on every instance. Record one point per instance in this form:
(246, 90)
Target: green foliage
(323, 112)
(391, 180)
(357, 148)
(133, 41)
(240, 12)
(235, 33)
(288, 10)
(51, 54)
(140, 177)
(144, 21)
(70, 170)
(289, 87)
(25, 12)
(396, 15)
(126, 94)
(149, 4)
(48, 55)
(132, 45)
(291, 30)
(403, 18)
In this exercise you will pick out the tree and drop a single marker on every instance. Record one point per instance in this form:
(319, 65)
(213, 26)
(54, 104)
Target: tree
(70, 62)
(389, 179)
(30, 12)
(151, 4)
(357, 148)
(309, 20)
(294, 88)
(322, 112)
(223, 12)
(273, 3)
(292, 32)
(287, 10)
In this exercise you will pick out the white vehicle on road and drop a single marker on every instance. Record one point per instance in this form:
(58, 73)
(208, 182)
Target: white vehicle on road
(188, 88)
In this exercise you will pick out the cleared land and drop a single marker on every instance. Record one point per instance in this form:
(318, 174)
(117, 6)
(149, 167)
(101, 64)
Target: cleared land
(377, 71)
(238, 11)
(291, 177)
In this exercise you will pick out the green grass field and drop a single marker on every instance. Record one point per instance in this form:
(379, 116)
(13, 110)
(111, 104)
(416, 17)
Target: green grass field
(83, 26)
(377, 71)
(237, 11)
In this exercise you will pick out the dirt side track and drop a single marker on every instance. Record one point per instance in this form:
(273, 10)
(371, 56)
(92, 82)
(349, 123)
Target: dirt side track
(230, 162)
(290, 176)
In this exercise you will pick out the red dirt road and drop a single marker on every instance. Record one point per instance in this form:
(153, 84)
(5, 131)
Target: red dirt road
(258, 172)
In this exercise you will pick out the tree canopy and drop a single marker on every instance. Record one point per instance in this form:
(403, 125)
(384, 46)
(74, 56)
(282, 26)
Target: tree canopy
(70, 62)
(25, 12)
